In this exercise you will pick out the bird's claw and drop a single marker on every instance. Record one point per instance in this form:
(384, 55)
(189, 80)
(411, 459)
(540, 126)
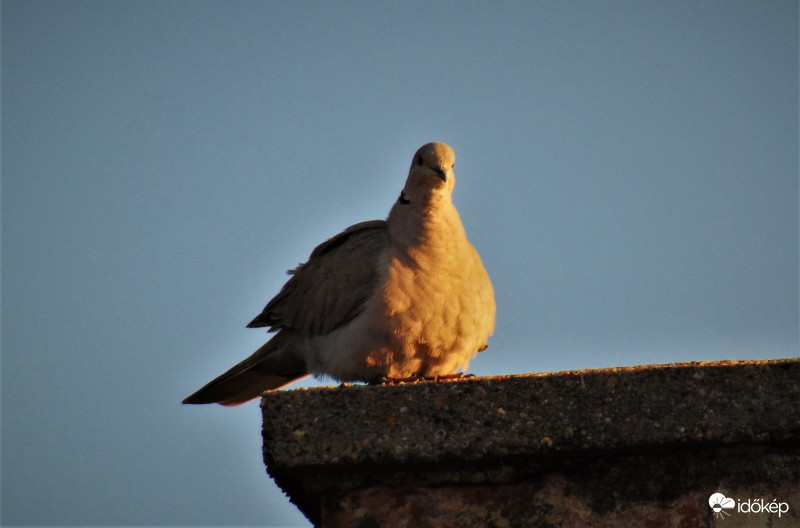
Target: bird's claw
(388, 380)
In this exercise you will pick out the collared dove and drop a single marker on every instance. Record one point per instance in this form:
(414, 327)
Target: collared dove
(401, 297)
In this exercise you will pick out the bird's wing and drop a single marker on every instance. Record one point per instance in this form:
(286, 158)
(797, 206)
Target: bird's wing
(332, 287)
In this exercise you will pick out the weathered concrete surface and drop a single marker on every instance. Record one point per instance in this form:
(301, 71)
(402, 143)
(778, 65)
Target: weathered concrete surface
(639, 446)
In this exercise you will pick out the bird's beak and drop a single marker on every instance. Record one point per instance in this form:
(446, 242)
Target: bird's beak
(442, 174)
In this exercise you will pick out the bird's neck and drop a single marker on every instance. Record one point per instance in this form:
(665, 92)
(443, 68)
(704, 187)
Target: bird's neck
(417, 221)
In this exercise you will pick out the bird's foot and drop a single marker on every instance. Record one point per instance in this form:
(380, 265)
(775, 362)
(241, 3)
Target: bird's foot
(388, 380)
(446, 377)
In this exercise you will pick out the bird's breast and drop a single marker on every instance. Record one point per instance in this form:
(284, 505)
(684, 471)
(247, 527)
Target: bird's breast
(431, 302)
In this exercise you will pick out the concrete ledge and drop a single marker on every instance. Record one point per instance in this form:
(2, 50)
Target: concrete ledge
(589, 447)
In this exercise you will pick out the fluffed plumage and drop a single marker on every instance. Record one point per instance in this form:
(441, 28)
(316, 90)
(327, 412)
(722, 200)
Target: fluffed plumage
(396, 298)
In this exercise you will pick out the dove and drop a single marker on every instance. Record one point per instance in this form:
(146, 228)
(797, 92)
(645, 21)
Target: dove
(403, 297)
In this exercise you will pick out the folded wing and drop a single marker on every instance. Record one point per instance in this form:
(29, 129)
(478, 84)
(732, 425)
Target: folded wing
(332, 287)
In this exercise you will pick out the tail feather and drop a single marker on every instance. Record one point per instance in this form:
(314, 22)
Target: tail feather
(270, 367)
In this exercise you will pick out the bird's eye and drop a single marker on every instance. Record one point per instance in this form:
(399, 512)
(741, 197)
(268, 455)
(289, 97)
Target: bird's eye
(419, 160)
(453, 165)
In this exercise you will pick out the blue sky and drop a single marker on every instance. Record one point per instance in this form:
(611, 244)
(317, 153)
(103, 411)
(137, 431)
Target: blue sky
(627, 170)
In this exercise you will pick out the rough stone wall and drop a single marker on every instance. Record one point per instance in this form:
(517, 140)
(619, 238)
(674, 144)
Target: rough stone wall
(640, 446)
(650, 490)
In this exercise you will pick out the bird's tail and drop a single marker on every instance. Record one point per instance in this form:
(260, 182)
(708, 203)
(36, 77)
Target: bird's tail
(269, 367)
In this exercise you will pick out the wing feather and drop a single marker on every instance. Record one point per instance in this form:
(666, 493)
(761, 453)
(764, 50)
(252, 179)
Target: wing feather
(331, 288)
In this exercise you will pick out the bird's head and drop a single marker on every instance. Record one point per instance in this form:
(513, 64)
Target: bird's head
(431, 172)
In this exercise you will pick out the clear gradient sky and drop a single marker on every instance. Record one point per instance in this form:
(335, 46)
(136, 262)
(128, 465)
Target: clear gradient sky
(628, 171)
